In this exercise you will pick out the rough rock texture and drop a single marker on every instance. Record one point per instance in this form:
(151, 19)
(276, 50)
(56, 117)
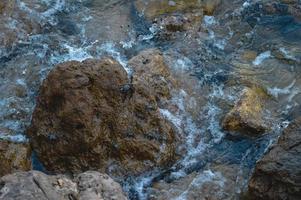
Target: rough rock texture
(278, 174)
(14, 157)
(171, 26)
(8, 33)
(6, 6)
(154, 8)
(151, 73)
(89, 116)
(248, 117)
(36, 185)
(217, 183)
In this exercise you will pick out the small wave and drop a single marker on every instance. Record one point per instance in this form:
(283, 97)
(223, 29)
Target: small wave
(289, 90)
(261, 57)
(110, 49)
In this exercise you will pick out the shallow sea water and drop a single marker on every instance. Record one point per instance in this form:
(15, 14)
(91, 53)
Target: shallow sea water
(47, 32)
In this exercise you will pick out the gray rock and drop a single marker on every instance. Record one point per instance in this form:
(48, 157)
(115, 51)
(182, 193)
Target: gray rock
(37, 185)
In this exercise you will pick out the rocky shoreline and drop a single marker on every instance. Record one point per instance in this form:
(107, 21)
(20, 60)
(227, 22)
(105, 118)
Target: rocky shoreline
(201, 100)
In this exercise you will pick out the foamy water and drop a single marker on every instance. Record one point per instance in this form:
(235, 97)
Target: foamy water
(201, 132)
(262, 57)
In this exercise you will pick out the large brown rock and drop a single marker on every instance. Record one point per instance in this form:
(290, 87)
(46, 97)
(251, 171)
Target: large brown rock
(89, 116)
(248, 115)
(14, 157)
(37, 185)
(278, 174)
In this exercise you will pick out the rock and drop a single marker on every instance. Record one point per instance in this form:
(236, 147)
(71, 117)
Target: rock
(14, 157)
(10, 39)
(249, 55)
(278, 175)
(2, 7)
(150, 71)
(217, 183)
(110, 21)
(248, 115)
(171, 26)
(173, 23)
(94, 185)
(37, 185)
(155, 8)
(90, 116)
(6, 6)
(209, 6)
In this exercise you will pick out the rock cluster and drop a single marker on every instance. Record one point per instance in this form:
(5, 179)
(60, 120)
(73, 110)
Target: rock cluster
(90, 115)
(37, 185)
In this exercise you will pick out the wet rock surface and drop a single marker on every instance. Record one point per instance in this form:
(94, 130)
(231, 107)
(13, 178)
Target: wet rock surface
(213, 50)
(150, 72)
(90, 116)
(277, 174)
(37, 185)
(216, 183)
(14, 157)
(247, 116)
(152, 9)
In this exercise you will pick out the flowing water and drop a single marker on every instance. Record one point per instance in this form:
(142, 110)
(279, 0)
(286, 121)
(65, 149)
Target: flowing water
(37, 34)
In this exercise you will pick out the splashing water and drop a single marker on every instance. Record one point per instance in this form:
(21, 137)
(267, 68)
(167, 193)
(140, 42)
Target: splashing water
(59, 34)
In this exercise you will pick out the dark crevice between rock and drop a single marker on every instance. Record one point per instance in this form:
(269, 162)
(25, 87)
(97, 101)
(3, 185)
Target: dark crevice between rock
(36, 164)
(39, 186)
(2, 184)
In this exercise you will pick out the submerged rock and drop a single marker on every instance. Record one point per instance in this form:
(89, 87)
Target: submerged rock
(89, 115)
(217, 183)
(278, 175)
(14, 157)
(37, 185)
(247, 116)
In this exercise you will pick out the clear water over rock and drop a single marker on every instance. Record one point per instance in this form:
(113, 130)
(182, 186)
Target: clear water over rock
(214, 55)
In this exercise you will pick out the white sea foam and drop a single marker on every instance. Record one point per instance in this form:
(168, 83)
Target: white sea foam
(172, 118)
(220, 44)
(183, 64)
(46, 16)
(110, 49)
(288, 90)
(129, 44)
(14, 138)
(72, 53)
(246, 4)
(214, 125)
(58, 6)
(261, 57)
(77, 53)
(153, 31)
(209, 20)
(287, 54)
